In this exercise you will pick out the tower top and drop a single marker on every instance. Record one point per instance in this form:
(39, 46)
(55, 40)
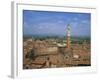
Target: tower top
(68, 26)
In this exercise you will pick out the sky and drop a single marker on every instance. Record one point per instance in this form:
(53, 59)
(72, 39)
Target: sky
(55, 23)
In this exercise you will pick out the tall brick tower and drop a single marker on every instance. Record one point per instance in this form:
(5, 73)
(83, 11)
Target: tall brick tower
(68, 36)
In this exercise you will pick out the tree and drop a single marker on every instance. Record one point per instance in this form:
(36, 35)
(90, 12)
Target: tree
(32, 54)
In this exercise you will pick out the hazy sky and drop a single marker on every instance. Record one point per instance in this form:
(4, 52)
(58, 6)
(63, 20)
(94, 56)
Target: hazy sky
(55, 23)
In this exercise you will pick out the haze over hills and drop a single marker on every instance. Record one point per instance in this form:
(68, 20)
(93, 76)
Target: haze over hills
(74, 39)
(57, 36)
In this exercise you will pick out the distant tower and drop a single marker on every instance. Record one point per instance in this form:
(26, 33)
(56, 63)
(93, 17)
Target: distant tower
(68, 36)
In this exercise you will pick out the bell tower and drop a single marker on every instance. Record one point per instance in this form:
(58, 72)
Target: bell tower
(68, 36)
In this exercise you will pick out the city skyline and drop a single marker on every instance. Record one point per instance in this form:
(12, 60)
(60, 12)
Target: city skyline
(55, 23)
